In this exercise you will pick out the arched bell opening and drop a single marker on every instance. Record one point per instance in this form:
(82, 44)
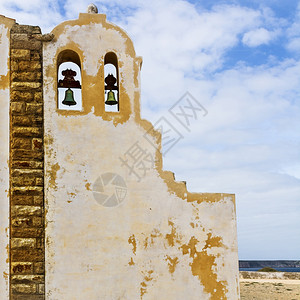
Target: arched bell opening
(69, 81)
(111, 82)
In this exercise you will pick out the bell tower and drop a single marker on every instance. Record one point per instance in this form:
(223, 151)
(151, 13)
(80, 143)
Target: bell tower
(87, 210)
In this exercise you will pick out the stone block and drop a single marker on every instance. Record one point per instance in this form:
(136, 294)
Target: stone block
(20, 172)
(39, 267)
(21, 54)
(20, 154)
(14, 66)
(23, 288)
(23, 181)
(35, 30)
(37, 222)
(35, 65)
(22, 200)
(38, 200)
(25, 255)
(26, 44)
(25, 210)
(39, 181)
(27, 164)
(19, 37)
(23, 243)
(37, 144)
(37, 120)
(24, 65)
(17, 107)
(22, 221)
(27, 279)
(27, 190)
(34, 108)
(26, 85)
(26, 76)
(38, 96)
(20, 143)
(21, 121)
(27, 131)
(27, 66)
(35, 55)
(25, 29)
(28, 120)
(26, 232)
(21, 268)
(40, 243)
(21, 96)
(41, 289)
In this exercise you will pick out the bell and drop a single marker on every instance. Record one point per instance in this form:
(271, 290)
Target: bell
(111, 100)
(69, 98)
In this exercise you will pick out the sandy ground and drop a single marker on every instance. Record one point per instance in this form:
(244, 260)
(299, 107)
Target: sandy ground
(269, 289)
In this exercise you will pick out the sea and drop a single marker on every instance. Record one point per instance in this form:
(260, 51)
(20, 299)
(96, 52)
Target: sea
(277, 269)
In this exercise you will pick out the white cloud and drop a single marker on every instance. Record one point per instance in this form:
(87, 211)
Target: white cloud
(294, 44)
(293, 33)
(45, 14)
(258, 37)
(292, 170)
(176, 40)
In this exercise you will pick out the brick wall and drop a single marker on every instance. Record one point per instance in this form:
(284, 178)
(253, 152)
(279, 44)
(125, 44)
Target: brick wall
(26, 166)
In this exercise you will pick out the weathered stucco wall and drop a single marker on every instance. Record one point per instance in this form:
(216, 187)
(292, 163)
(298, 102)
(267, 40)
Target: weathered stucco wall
(160, 242)
(5, 25)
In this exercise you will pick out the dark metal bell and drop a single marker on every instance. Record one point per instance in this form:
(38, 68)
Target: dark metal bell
(69, 98)
(111, 100)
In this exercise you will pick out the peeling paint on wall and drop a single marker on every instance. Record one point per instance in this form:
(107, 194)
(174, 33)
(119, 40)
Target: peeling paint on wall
(172, 262)
(132, 241)
(148, 277)
(202, 266)
(172, 237)
(53, 174)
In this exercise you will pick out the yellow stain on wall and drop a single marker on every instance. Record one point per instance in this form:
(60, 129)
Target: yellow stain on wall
(53, 174)
(173, 236)
(88, 186)
(132, 241)
(147, 278)
(172, 262)
(131, 263)
(149, 241)
(202, 266)
(4, 80)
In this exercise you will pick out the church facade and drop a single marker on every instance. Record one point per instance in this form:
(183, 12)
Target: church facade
(86, 209)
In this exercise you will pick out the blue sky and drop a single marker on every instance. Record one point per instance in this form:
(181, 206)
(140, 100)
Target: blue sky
(241, 61)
